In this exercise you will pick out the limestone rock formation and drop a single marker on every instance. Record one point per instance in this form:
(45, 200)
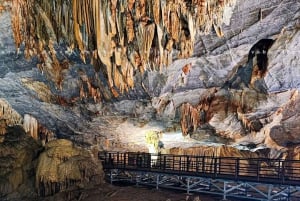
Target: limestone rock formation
(18, 156)
(63, 166)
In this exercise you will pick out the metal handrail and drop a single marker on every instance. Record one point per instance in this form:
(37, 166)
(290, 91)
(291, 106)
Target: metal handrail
(263, 170)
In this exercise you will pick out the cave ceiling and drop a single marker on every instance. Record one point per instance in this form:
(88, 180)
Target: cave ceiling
(117, 37)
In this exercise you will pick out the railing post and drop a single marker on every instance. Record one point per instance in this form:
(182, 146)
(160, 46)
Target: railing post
(237, 168)
(165, 161)
(173, 168)
(110, 160)
(117, 159)
(187, 163)
(203, 164)
(283, 171)
(179, 163)
(105, 159)
(125, 160)
(215, 167)
(197, 163)
(149, 162)
(224, 190)
(258, 169)
(159, 156)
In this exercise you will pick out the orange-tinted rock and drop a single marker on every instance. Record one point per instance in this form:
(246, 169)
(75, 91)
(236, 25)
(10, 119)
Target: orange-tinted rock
(130, 25)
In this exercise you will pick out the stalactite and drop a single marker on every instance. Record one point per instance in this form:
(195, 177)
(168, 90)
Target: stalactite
(137, 34)
(36, 130)
(8, 117)
(30, 125)
(190, 118)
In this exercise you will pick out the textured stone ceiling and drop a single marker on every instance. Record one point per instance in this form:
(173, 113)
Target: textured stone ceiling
(120, 37)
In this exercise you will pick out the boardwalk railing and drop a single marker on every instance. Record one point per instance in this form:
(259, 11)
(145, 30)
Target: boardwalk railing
(262, 170)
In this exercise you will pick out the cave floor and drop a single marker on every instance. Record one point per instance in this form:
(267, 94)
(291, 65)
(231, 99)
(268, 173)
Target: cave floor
(129, 193)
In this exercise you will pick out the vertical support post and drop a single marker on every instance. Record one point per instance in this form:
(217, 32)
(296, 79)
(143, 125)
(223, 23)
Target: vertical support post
(125, 160)
(219, 165)
(258, 169)
(283, 172)
(157, 181)
(138, 178)
(237, 168)
(105, 158)
(197, 164)
(215, 166)
(173, 168)
(118, 159)
(179, 163)
(165, 161)
(203, 164)
(289, 193)
(149, 161)
(160, 161)
(110, 160)
(187, 163)
(270, 192)
(224, 190)
(111, 177)
(188, 185)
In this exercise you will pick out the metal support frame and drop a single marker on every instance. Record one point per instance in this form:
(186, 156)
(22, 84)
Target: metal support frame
(196, 184)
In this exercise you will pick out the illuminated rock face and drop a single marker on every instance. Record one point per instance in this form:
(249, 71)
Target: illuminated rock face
(179, 67)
